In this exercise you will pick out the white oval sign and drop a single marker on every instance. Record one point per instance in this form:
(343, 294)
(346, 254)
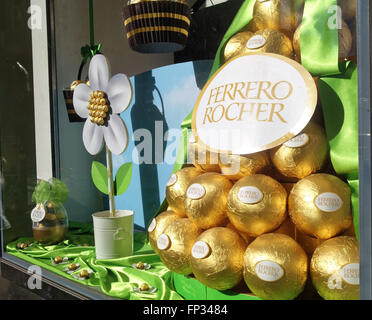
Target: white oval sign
(256, 42)
(250, 195)
(195, 191)
(152, 225)
(172, 180)
(269, 271)
(163, 242)
(253, 103)
(350, 273)
(328, 202)
(298, 141)
(200, 250)
(38, 213)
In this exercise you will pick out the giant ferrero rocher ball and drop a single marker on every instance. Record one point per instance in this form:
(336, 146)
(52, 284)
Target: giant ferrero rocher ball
(345, 41)
(236, 45)
(319, 206)
(200, 157)
(177, 186)
(206, 198)
(303, 155)
(281, 15)
(175, 245)
(235, 167)
(309, 244)
(248, 239)
(270, 41)
(217, 258)
(334, 269)
(257, 204)
(157, 226)
(275, 267)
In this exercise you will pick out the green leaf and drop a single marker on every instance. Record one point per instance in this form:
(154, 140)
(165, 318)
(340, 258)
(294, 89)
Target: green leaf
(123, 178)
(99, 176)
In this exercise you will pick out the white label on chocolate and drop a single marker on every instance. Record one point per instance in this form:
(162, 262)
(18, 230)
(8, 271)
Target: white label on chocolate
(256, 42)
(172, 180)
(251, 103)
(196, 191)
(350, 273)
(269, 271)
(152, 226)
(163, 242)
(250, 195)
(298, 142)
(38, 213)
(200, 250)
(328, 202)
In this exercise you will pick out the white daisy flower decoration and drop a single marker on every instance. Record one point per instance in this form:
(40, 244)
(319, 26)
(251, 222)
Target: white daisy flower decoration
(101, 103)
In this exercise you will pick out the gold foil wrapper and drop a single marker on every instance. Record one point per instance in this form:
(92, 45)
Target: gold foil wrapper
(248, 239)
(345, 41)
(236, 45)
(256, 218)
(209, 210)
(283, 15)
(275, 42)
(176, 192)
(334, 269)
(309, 244)
(332, 214)
(287, 228)
(299, 162)
(161, 222)
(275, 267)
(182, 234)
(49, 235)
(75, 84)
(222, 269)
(235, 167)
(203, 159)
(348, 8)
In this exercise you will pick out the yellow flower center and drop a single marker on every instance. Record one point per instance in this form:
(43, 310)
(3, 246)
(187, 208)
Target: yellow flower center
(98, 107)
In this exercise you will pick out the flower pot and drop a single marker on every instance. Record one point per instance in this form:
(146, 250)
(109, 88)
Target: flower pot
(113, 236)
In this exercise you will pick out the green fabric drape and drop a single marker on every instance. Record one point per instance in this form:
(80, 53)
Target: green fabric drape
(115, 277)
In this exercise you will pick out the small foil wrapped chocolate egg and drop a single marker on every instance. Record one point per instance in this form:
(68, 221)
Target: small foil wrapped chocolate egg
(345, 41)
(206, 199)
(236, 45)
(275, 267)
(257, 204)
(348, 8)
(157, 226)
(175, 245)
(281, 15)
(334, 269)
(303, 155)
(319, 206)
(200, 157)
(176, 188)
(235, 167)
(270, 41)
(217, 258)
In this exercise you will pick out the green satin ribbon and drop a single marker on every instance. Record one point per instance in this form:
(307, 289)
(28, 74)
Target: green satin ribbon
(339, 97)
(88, 52)
(115, 277)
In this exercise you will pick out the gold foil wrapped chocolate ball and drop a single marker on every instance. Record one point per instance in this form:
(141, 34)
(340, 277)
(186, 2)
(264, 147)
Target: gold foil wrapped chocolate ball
(348, 8)
(257, 204)
(235, 167)
(281, 15)
(270, 41)
(217, 258)
(202, 158)
(275, 267)
(175, 245)
(345, 41)
(334, 269)
(236, 45)
(177, 186)
(319, 205)
(248, 239)
(287, 228)
(303, 155)
(309, 244)
(206, 199)
(157, 226)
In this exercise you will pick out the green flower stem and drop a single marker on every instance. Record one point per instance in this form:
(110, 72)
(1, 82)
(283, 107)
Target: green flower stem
(110, 182)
